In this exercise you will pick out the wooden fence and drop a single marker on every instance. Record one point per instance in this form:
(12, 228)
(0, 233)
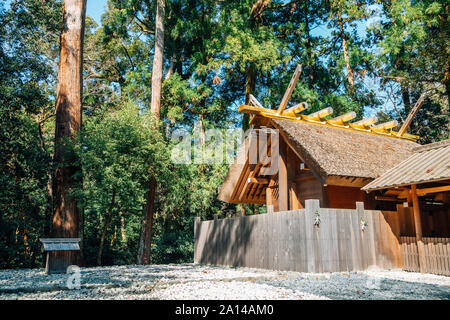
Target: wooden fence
(437, 255)
(290, 240)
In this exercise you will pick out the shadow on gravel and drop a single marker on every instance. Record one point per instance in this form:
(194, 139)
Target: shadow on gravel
(36, 281)
(363, 287)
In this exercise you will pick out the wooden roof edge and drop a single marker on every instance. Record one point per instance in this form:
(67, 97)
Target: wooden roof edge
(431, 146)
(59, 240)
(272, 114)
(342, 180)
(402, 185)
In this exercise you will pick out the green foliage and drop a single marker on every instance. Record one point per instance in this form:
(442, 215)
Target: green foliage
(216, 53)
(23, 195)
(415, 56)
(24, 160)
(118, 150)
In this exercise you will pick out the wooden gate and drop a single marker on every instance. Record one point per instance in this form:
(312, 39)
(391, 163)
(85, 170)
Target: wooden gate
(437, 255)
(410, 254)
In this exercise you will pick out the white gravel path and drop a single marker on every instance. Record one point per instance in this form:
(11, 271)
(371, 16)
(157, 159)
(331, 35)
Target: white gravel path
(190, 281)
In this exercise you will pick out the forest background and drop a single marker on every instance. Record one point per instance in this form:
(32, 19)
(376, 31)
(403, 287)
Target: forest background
(372, 57)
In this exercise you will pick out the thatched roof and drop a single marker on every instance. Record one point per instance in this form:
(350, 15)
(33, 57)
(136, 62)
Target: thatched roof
(429, 163)
(333, 151)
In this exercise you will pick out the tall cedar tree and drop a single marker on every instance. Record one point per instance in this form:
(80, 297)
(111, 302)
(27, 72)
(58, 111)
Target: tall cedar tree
(147, 222)
(68, 119)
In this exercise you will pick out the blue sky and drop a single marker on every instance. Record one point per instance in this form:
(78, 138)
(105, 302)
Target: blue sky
(95, 9)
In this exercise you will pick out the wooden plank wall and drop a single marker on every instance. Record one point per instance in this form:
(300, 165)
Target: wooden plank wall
(435, 221)
(437, 255)
(344, 197)
(58, 261)
(289, 240)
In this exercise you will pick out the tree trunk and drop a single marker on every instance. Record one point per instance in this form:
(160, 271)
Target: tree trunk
(105, 228)
(406, 98)
(147, 219)
(147, 223)
(257, 9)
(68, 119)
(49, 207)
(350, 74)
(310, 62)
(171, 70)
(122, 227)
(255, 15)
(82, 258)
(249, 89)
(158, 58)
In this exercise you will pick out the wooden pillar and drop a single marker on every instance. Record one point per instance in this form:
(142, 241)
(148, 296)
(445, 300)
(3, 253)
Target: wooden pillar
(197, 226)
(418, 227)
(283, 197)
(294, 201)
(312, 249)
(292, 169)
(269, 199)
(324, 200)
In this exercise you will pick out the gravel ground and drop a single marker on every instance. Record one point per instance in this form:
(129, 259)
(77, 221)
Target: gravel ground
(190, 281)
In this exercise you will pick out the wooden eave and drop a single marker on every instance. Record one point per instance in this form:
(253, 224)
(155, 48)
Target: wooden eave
(347, 181)
(429, 189)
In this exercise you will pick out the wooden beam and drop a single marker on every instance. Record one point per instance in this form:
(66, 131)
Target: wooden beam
(295, 110)
(272, 183)
(318, 115)
(421, 192)
(384, 198)
(404, 194)
(385, 125)
(283, 196)
(391, 192)
(290, 89)
(242, 190)
(292, 169)
(257, 193)
(347, 181)
(340, 120)
(262, 117)
(294, 201)
(245, 184)
(411, 114)
(255, 110)
(252, 153)
(252, 194)
(261, 191)
(258, 180)
(364, 123)
(255, 101)
(418, 227)
(239, 183)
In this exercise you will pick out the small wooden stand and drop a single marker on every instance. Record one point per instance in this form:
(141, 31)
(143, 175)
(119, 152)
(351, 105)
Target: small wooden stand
(61, 253)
